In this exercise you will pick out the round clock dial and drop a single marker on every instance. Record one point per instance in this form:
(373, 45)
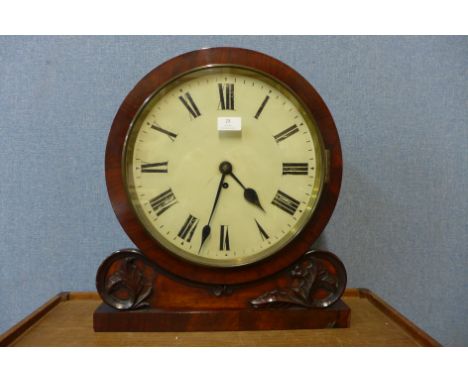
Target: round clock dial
(223, 165)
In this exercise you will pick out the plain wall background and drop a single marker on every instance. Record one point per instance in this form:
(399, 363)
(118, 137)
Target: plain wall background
(400, 105)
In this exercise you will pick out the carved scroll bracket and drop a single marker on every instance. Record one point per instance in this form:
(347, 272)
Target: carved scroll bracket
(125, 280)
(317, 280)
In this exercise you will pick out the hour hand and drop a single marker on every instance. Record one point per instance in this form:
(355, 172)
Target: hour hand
(249, 193)
(251, 196)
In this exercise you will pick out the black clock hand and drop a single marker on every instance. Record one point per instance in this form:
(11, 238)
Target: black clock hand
(207, 229)
(225, 169)
(249, 193)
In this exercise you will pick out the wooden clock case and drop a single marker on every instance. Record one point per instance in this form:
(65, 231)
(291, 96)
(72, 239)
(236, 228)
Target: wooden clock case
(152, 289)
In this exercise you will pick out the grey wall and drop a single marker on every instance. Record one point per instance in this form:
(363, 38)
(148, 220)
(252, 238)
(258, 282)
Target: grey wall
(400, 105)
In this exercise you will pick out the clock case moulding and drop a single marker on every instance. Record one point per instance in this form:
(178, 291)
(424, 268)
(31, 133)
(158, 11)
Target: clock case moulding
(150, 289)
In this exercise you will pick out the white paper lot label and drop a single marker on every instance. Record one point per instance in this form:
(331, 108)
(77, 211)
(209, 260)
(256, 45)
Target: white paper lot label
(229, 123)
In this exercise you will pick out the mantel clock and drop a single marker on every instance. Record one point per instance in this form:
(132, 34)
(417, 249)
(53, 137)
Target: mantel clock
(223, 166)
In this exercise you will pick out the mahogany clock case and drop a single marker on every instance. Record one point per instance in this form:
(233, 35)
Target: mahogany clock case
(167, 72)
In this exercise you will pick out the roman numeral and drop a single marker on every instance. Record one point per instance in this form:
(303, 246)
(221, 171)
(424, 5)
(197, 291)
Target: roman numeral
(154, 167)
(187, 230)
(170, 134)
(295, 169)
(286, 133)
(190, 105)
(285, 202)
(226, 96)
(263, 233)
(260, 109)
(224, 238)
(163, 202)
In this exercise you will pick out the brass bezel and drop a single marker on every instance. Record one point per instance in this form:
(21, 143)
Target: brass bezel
(316, 190)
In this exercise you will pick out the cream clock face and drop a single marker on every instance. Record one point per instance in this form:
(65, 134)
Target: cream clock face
(223, 166)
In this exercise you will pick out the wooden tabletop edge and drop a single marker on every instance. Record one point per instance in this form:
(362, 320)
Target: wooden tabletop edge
(419, 335)
(84, 295)
(352, 292)
(17, 330)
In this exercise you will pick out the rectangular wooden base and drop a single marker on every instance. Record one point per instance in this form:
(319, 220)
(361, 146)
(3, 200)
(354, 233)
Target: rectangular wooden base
(107, 319)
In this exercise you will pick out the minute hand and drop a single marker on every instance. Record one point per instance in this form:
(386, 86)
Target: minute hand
(249, 193)
(207, 229)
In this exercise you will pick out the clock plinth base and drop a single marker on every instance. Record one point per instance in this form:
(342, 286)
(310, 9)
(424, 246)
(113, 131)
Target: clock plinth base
(141, 296)
(108, 319)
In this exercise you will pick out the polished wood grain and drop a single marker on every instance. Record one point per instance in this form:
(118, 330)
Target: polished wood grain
(161, 76)
(69, 323)
(107, 319)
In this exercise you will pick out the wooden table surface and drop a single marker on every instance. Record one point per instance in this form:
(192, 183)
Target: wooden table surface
(67, 320)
